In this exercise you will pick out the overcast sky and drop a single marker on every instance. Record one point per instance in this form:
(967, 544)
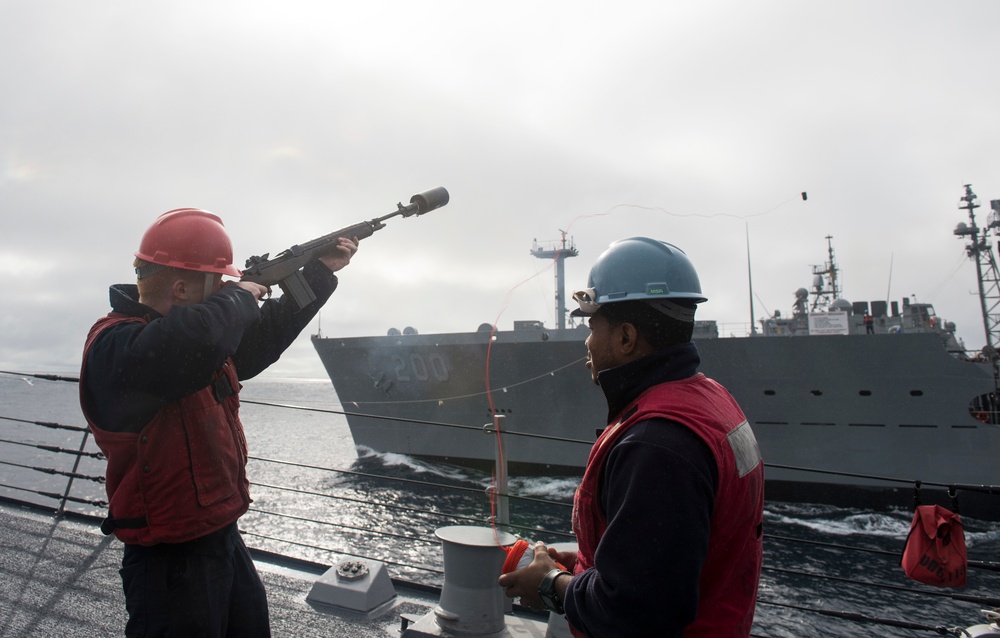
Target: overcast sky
(695, 122)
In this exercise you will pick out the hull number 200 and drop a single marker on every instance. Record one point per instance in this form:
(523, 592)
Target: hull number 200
(417, 367)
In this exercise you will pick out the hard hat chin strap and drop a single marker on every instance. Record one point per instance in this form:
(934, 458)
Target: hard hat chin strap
(209, 285)
(148, 270)
(587, 299)
(673, 310)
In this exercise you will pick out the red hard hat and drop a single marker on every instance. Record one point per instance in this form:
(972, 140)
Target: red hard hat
(189, 238)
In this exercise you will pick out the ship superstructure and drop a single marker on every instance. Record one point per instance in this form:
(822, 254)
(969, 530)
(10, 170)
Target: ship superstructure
(898, 397)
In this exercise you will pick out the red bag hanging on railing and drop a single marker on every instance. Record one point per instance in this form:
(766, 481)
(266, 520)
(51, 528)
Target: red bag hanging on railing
(935, 548)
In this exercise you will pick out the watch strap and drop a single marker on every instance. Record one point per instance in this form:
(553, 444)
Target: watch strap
(547, 591)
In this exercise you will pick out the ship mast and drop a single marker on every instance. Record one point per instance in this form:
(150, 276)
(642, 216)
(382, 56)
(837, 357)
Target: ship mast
(829, 269)
(979, 250)
(559, 252)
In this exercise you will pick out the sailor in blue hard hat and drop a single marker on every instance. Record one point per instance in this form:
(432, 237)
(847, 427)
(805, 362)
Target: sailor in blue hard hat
(668, 516)
(649, 281)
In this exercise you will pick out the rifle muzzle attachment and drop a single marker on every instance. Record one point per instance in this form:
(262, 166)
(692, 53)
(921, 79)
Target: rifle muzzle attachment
(429, 200)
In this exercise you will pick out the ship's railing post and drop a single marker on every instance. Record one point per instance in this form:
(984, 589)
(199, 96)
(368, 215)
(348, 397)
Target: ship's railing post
(502, 502)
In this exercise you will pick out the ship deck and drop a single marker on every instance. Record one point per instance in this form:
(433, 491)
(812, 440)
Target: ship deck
(60, 578)
(60, 574)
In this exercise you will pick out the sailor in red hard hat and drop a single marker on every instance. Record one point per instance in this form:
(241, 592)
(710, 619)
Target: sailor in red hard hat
(159, 387)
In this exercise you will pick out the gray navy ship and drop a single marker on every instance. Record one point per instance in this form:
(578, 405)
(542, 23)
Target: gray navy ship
(856, 391)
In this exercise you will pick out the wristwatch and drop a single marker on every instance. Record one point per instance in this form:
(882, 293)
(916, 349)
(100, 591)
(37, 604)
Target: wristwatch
(547, 591)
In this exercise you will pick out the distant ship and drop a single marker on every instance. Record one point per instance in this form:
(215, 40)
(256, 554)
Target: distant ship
(820, 391)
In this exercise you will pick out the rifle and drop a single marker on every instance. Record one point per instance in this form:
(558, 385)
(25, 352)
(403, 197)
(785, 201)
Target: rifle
(285, 268)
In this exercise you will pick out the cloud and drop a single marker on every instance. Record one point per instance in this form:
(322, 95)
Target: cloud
(696, 123)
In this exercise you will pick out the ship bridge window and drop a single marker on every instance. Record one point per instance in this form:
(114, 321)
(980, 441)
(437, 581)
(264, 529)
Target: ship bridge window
(916, 393)
(816, 393)
(865, 393)
(769, 393)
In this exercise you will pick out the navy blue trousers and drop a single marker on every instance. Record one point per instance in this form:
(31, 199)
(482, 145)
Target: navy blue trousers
(205, 588)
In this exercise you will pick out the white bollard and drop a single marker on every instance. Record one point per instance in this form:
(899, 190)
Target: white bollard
(471, 601)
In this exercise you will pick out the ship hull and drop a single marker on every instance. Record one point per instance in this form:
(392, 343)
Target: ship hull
(892, 405)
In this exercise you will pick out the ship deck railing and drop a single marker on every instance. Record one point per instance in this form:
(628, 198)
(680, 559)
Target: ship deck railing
(309, 543)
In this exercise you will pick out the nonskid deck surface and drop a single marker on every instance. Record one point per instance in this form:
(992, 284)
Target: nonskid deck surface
(59, 577)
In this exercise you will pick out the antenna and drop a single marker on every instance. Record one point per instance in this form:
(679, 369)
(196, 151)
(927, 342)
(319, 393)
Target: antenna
(889, 285)
(753, 326)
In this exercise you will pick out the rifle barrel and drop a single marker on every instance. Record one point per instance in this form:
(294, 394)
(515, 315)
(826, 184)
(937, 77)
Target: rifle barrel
(283, 269)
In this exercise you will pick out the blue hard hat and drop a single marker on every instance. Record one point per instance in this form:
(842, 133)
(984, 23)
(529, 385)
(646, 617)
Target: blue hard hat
(639, 269)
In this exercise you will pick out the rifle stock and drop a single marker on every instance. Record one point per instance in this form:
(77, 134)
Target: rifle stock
(285, 269)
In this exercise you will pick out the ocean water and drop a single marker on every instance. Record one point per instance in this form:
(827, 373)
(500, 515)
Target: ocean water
(317, 497)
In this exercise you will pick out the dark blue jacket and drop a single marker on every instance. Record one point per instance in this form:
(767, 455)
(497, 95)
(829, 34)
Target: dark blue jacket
(658, 493)
(135, 369)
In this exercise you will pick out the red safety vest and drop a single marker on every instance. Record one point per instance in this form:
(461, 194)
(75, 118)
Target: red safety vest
(728, 586)
(184, 474)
